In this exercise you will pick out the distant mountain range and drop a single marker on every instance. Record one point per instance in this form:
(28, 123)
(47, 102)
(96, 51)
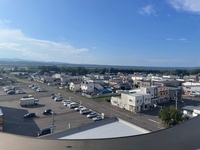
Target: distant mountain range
(21, 62)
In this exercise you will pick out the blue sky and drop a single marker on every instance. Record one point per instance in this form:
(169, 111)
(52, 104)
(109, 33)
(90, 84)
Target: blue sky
(105, 32)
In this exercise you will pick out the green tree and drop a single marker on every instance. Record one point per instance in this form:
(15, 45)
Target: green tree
(171, 116)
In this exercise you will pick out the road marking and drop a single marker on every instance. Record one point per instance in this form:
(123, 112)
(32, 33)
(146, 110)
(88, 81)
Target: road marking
(153, 121)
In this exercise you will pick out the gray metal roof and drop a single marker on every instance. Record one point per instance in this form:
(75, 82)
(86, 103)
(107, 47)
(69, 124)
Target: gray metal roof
(181, 137)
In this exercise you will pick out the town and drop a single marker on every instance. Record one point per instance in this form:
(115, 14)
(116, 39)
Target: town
(137, 94)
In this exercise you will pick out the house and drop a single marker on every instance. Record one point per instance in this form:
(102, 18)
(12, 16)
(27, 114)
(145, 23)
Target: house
(163, 94)
(194, 78)
(113, 82)
(122, 86)
(191, 111)
(67, 79)
(46, 79)
(175, 94)
(75, 86)
(90, 86)
(170, 83)
(143, 83)
(170, 77)
(133, 102)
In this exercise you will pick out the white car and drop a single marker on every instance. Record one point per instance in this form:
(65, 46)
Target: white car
(58, 98)
(67, 102)
(79, 108)
(64, 101)
(84, 111)
(73, 105)
(97, 118)
(92, 115)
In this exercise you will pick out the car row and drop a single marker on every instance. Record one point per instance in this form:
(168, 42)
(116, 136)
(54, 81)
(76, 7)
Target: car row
(13, 90)
(81, 109)
(31, 114)
(37, 88)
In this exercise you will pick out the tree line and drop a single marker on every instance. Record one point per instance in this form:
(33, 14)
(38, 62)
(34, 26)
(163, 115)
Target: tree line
(83, 70)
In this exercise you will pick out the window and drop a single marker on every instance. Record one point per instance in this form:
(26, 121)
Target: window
(137, 101)
(130, 100)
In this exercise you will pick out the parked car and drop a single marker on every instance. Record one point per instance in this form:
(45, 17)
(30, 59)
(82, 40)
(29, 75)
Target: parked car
(10, 92)
(35, 88)
(79, 108)
(28, 96)
(67, 102)
(29, 115)
(44, 131)
(58, 98)
(40, 90)
(20, 92)
(31, 85)
(47, 112)
(7, 89)
(97, 118)
(53, 96)
(92, 115)
(84, 111)
(73, 105)
(64, 100)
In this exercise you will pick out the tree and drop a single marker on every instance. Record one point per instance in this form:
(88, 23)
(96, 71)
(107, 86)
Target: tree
(171, 116)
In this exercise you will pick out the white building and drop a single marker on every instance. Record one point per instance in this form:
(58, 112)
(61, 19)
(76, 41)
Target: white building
(133, 102)
(89, 86)
(170, 77)
(191, 111)
(153, 91)
(75, 86)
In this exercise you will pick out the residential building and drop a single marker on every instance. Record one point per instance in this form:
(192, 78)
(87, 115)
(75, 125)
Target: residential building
(89, 86)
(191, 111)
(153, 91)
(133, 102)
(143, 83)
(175, 94)
(171, 83)
(113, 82)
(194, 78)
(163, 94)
(75, 86)
(47, 79)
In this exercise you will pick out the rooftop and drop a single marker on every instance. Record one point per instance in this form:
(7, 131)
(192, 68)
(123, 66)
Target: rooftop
(109, 128)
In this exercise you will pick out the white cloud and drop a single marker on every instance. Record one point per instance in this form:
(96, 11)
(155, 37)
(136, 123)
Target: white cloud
(181, 39)
(186, 5)
(170, 39)
(147, 11)
(163, 60)
(13, 40)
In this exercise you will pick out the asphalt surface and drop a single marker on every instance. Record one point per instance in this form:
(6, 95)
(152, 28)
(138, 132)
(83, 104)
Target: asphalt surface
(65, 118)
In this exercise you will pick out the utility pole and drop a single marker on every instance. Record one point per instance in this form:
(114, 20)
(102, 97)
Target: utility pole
(52, 122)
(176, 99)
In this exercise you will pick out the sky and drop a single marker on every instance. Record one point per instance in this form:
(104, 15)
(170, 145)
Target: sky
(163, 33)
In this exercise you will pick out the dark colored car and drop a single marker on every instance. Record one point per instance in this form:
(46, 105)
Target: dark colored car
(29, 115)
(11, 92)
(53, 96)
(47, 112)
(44, 131)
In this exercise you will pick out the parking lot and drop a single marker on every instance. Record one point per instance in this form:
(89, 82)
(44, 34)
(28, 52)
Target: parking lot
(14, 121)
